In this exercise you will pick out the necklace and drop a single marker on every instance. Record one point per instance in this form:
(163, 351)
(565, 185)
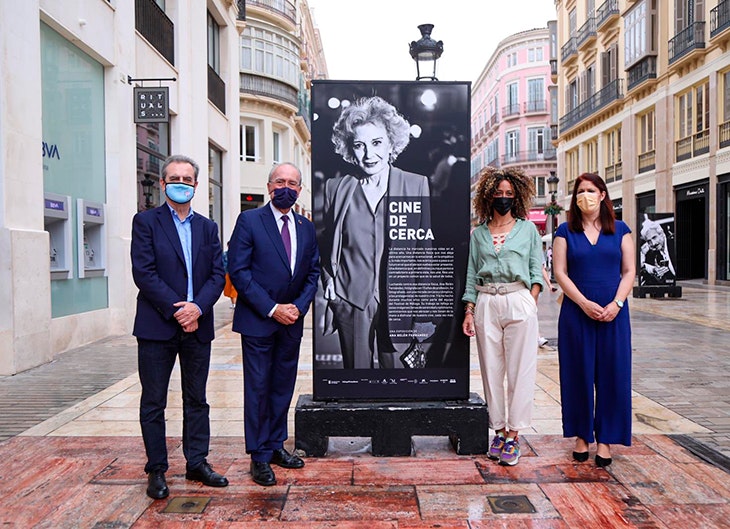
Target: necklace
(503, 224)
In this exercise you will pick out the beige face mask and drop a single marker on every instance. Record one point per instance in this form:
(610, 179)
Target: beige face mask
(588, 202)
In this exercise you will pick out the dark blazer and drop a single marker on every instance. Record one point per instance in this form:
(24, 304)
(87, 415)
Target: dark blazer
(260, 271)
(158, 268)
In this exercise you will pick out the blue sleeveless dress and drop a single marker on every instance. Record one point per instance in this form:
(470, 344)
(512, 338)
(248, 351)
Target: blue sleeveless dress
(593, 355)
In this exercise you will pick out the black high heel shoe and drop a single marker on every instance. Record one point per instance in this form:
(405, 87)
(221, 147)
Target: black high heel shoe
(603, 462)
(580, 457)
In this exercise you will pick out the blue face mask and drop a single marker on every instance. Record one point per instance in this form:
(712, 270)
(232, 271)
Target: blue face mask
(284, 197)
(179, 193)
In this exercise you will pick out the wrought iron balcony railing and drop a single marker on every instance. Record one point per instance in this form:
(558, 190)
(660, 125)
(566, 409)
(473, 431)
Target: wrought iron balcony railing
(152, 23)
(641, 71)
(692, 146)
(535, 107)
(724, 134)
(510, 111)
(690, 38)
(569, 50)
(719, 18)
(606, 11)
(284, 8)
(216, 90)
(587, 31)
(266, 86)
(609, 93)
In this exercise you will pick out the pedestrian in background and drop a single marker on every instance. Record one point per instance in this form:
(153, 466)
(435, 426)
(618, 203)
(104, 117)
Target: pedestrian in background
(593, 262)
(228, 290)
(503, 281)
(177, 266)
(273, 262)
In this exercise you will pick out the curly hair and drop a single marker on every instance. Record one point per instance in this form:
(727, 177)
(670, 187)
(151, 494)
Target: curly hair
(489, 180)
(370, 110)
(607, 214)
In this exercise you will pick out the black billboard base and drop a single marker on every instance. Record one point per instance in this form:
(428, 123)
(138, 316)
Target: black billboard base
(390, 425)
(660, 291)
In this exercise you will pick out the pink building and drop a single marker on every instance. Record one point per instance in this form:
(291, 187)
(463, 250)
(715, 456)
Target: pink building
(511, 114)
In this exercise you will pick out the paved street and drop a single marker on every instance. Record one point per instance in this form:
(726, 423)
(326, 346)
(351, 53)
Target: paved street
(73, 456)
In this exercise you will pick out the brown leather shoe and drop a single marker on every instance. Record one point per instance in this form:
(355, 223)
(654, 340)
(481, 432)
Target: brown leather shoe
(284, 459)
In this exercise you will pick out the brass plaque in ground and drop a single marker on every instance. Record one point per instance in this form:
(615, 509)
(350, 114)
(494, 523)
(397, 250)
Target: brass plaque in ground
(187, 504)
(510, 504)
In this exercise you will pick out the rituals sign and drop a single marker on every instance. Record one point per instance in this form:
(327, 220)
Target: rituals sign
(151, 105)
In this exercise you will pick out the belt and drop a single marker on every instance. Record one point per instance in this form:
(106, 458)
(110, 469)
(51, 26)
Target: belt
(501, 288)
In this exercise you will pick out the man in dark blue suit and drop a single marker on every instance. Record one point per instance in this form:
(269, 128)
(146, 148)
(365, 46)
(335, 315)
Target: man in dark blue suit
(273, 262)
(178, 268)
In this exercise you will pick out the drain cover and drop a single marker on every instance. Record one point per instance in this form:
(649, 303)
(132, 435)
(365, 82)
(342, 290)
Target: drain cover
(510, 504)
(187, 504)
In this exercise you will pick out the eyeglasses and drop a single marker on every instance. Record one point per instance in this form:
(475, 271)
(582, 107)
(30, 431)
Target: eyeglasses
(280, 182)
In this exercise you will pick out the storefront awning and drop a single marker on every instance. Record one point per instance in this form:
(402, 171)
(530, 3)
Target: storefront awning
(537, 216)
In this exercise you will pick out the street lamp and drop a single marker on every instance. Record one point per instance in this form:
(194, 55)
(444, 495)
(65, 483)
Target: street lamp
(552, 183)
(426, 51)
(147, 185)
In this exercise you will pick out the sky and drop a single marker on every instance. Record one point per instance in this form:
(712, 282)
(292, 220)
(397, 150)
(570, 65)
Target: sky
(369, 39)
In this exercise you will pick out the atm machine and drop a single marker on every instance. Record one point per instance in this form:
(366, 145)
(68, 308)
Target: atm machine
(57, 222)
(91, 238)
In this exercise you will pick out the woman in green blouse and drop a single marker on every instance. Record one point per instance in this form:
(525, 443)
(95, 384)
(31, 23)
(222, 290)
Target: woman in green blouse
(503, 281)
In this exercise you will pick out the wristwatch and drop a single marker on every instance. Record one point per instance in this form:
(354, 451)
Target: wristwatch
(619, 303)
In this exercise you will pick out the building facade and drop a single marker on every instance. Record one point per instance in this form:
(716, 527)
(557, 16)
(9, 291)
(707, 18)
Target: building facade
(511, 111)
(68, 73)
(644, 101)
(280, 53)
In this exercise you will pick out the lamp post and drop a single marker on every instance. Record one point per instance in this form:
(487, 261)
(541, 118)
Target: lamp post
(147, 185)
(552, 183)
(426, 51)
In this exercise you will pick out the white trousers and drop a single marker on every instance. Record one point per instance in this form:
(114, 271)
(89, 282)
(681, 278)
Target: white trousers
(507, 333)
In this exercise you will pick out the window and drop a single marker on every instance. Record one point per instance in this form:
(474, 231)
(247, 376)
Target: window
(572, 22)
(693, 122)
(512, 99)
(512, 144)
(687, 12)
(609, 65)
(215, 188)
(249, 143)
(591, 159)
(540, 186)
(535, 143)
(535, 95)
(276, 147)
(725, 103)
(646, 132)
(534, 55)
(214, 43)
(511, 59)
(613, 156)
(571, 167)
(571, 99)
(639, 32)
(268, 53)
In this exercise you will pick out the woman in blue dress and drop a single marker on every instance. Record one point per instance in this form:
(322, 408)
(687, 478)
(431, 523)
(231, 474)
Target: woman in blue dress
(594, 264)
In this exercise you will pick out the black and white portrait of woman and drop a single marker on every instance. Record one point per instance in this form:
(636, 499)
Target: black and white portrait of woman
(655, 260)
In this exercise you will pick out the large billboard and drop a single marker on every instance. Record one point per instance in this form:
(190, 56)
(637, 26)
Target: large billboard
(391, 188)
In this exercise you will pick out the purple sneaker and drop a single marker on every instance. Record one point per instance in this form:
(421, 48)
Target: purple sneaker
(495, 450)
(510, 453)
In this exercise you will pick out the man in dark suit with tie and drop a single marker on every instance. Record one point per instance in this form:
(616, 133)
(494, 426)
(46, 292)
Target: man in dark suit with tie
(273, 262)
(178, 268)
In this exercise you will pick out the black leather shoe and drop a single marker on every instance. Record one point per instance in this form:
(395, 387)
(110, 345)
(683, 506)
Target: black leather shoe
(262, 473)
(602, 462)
(580, 457)
(157, 485)
(206, 475)
(284, 459)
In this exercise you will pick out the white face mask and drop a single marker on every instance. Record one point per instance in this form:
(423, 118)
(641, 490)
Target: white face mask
(588, 202)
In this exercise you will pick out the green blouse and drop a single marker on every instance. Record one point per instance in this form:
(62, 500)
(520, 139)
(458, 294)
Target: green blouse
(520, 259)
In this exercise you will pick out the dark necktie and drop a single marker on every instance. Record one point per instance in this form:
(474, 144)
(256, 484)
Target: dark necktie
(285, 238)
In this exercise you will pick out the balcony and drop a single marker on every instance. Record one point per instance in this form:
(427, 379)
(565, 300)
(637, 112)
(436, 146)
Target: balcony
(553, 69)
(152, 23)
(725, 134)
(282, 8)
(535, 107)
(493, 120)
(690, 38)
(529, 156)
(587, 33)
(569, 51)
(647, 161)
(554, 132)
(640, 72)
(216, 90)
(719, 18)
(614, 173)
(607, 12)
(265, 86)
(692, 146)
(608, 94)
(511, 111)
